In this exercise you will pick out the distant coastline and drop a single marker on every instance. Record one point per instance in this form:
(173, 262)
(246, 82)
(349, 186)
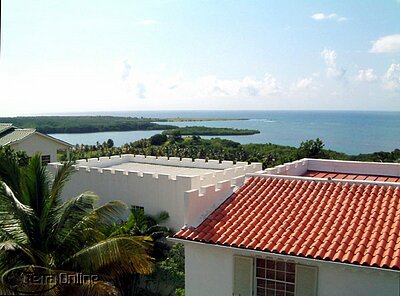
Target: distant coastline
(180, 119)
(351, 132)
(210, 131)
(95, 124)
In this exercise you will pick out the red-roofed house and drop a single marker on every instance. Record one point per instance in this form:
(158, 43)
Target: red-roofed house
(311, 227)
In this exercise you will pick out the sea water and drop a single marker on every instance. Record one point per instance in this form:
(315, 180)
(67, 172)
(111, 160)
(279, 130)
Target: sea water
(345, 131)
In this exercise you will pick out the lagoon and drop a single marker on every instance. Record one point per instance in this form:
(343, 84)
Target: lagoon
(352, 132)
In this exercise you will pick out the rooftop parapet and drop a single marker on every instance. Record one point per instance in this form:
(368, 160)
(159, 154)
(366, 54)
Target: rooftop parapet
(300, 167)
(104, 162)
(199, 203)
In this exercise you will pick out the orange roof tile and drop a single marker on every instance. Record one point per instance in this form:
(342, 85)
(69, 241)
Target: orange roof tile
(348, 176)
(348, 222)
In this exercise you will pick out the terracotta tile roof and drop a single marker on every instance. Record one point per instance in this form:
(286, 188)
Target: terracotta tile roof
(333, 175)
(346, 222)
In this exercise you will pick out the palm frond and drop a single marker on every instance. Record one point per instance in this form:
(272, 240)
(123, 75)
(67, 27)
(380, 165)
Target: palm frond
(35, 186)
(108, 214)
(61, 178)
(14, 247)
(117, 255)
(68, 216)
(92, 226)
(16, 218)
(162, 217)
(10, 173)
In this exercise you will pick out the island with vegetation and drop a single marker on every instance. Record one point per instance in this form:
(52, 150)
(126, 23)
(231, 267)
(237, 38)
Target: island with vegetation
(85, 124)
(182, 119)
(210, 131)
(93, 124)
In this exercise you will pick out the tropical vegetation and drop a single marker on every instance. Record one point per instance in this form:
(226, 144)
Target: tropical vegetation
(85, 124)
(168, 274)
(38, 230)
(175, 145)
(210, 131)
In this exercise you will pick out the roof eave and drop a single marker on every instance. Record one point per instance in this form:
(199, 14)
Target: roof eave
(282, 256)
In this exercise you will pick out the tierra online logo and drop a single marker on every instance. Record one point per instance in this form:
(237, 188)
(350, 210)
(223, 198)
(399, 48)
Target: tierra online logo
(33, 280)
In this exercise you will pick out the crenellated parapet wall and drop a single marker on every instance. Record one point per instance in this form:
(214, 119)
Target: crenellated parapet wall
(172, 161)
(295, 168)
(154, 191)
(199, 203)
(300, 167)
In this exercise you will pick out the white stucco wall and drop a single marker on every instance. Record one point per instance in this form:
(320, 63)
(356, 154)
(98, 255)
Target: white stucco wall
(354, 281)
(209, 271)
(37, 143)
(155, 192)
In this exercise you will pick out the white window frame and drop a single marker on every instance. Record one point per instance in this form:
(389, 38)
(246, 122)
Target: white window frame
(272, 259)
(45, 162)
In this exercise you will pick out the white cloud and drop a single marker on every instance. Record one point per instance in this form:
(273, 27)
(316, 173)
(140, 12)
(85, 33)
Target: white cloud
(247, 87)
(126, 70)
(304, 84)
(329, 56)
(366, 75)
(332, 16)
(391, 79)
(147, 22)
(386, 44)
(332, 70)
(140, 90)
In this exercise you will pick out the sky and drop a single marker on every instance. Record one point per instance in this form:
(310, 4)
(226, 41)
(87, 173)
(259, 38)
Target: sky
(82, 56)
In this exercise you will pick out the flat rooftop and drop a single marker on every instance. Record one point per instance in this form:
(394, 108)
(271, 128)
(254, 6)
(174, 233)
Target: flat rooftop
(172, 166)
(339, 170)
(162, 169)
(360, 177)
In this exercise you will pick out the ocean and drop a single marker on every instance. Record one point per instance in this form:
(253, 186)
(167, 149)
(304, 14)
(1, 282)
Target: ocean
(344, 131)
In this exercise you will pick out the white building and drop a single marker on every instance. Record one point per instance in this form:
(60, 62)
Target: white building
(311, 227)
(156, 184)
(31, 141)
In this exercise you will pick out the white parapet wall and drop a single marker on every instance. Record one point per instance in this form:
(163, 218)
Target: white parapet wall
(155, 192)
(172, 161)
(295, 168)
(199, 203)
(354, 167)
(300, 167)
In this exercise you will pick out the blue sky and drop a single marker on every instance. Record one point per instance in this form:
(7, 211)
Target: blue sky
(66, 56)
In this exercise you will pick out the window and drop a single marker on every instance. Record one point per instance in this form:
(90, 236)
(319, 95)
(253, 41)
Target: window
(275, 277)
(137, 208)
(45, 159)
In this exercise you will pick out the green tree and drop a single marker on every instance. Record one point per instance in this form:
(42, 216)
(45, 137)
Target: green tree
(158, 139)
(311, 149)
(6, 152)
(38, 228)
(110, 143)
(175, 136)
(170, 262)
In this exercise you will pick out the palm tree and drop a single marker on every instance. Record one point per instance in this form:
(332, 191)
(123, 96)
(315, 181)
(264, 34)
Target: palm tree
(38, 228)
(141, 224)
